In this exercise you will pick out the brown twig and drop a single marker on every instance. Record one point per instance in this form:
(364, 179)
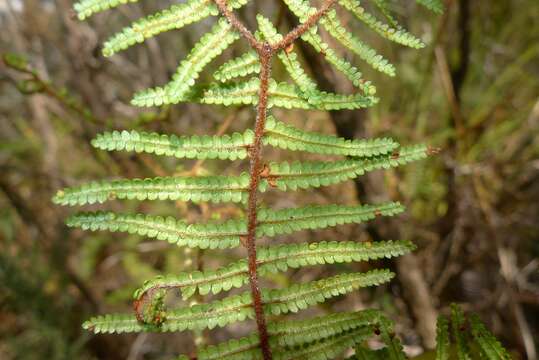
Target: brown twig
(302, 28)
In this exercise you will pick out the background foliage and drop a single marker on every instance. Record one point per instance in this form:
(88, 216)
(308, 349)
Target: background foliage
(473, 210)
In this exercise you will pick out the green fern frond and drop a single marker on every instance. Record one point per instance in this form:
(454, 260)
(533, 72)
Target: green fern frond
(175, 17)
(117, 324)
(204, 236)
(295, 333)
(286, 221)
(303, 175)
(393, 344)
(458, 326)
(287, 96)
(275, 259)
(197, 188)
(490, 347)
(229, 233)
(209, 46)
(285, 136)
(238, 308)
(229, 147)
(285, 335)
(333, 26)
(87, 8)
(442, 338)
(397, 35)
(436, 6)
(382, 6)
(241, 93)
(243, 65)
(289, 59)
(340, 64)
(282, 95)
(329, 348)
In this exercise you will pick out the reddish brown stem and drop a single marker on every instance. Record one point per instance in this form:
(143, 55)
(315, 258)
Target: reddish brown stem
(265, 52)
(238, 25)
(265, 55)
(302, 28)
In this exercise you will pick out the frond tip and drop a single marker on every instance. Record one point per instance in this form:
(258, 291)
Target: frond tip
(237, 308)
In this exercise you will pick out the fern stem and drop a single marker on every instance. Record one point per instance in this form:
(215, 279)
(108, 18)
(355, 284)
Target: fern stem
(265, 54)
(299, 30)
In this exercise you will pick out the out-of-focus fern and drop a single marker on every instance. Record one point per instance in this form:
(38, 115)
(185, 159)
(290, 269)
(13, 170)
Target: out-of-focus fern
(472, 340)
(319, 338)
(471, 337)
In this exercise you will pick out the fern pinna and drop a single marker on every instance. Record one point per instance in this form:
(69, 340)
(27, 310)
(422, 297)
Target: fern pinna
(247, 80)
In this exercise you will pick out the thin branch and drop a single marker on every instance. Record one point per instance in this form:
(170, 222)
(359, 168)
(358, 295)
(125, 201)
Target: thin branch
(302, 28)
(238, 25)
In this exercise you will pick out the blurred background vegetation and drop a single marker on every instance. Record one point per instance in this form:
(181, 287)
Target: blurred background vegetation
(473, 210)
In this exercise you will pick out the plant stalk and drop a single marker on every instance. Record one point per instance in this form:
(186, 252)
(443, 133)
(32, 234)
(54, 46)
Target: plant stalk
(265, 55)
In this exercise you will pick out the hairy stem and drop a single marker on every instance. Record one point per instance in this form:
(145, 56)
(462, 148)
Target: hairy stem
(265, 55)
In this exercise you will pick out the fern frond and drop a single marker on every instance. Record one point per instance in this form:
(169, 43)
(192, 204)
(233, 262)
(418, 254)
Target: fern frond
(275, 259)
(243, 65)
(308, 174)
(333, 26)
(240, 93)
(342, 65)
(282, 95)
(286, 136)
(393, 344)
(397, 35)
(238, 308)
(196, 188)
(458, 326)
(209, 46)
(175, 17)
(87, 8)
(288, 334)
(383, 7)
(288, 96)
(286, 221)
(204, 236)
(295, 333)
(489, 345)
(117, 324)
(442, 338)
(436, 6)
(229, 147)
(329, 348)
(290, 61)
